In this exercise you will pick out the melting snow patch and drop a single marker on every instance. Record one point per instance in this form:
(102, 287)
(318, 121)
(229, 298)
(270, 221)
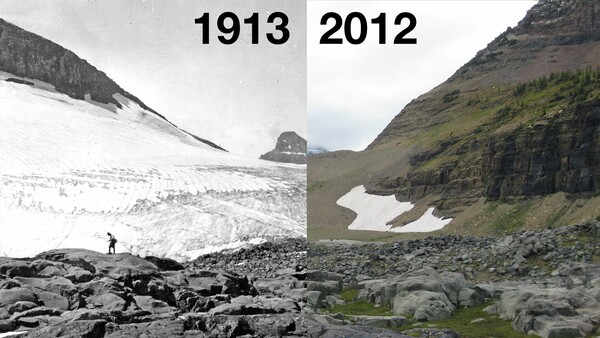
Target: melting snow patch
(374, 212)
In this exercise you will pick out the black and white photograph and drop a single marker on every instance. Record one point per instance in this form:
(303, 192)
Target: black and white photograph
(153, 167)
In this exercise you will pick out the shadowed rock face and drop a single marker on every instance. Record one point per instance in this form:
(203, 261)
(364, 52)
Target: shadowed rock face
(290, 148)
(28, 55)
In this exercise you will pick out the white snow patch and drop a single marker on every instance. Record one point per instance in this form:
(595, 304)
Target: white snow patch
(13, 334)
(375, 212)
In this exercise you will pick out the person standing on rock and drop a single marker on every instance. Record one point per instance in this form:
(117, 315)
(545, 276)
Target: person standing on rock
(111, 242)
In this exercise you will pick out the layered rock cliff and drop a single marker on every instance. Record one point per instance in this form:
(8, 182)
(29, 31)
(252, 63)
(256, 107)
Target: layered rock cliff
(558, 153)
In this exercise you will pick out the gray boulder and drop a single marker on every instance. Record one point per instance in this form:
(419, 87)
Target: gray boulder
(469, 298)
(552, 312)
(423, 305)
(379, 321)
(314, 299)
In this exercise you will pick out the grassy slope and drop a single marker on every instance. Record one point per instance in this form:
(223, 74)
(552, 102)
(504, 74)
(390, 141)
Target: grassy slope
(461, 321)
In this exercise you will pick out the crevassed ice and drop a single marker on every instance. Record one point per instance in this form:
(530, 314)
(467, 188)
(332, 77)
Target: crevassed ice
(71, 170)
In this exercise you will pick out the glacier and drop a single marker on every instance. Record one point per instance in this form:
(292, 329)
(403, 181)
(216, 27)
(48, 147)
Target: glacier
(73, 170)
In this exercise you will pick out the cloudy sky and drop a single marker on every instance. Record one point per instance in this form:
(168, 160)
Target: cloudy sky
(354, 91)
(240, 96)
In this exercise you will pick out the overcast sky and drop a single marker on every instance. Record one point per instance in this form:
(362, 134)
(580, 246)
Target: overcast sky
(240, 96)
(354, 91)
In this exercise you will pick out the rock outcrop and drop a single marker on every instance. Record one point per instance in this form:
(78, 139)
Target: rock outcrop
(290, 148)
(89, 294)
(557, 154)
(25, 54)
(541, 282)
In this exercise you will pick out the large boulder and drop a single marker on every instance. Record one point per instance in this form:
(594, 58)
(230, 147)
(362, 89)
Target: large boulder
(14, 295)
(56, 284)
(383, 292)
(13, 267)
(326, 287)
(552, 312)
(80, 328)
(120, 266)
(248, 305)
(379, 321)
(107, 301)
(423, 305)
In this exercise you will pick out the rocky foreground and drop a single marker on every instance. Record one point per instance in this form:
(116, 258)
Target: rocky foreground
(257, 291)
(545, 283)
(82, 293)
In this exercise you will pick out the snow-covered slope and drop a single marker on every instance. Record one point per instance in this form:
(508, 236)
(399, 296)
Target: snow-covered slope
(72, 170)
(375, 212)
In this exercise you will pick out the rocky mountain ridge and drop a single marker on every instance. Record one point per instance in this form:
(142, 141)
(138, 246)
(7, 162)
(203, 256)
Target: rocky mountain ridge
(32, 57)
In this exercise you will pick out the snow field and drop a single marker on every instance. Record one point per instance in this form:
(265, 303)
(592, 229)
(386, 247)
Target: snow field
(73, 170)
(375, 212)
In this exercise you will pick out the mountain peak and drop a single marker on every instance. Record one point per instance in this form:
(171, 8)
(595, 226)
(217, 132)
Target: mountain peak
(554, 36)
(290, 148)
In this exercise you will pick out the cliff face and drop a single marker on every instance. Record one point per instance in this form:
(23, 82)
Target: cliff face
(28, 55)
(560, 153)
(290, 148)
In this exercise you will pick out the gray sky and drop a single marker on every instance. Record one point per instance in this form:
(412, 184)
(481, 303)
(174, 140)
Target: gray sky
(354, 91)
(240, 96)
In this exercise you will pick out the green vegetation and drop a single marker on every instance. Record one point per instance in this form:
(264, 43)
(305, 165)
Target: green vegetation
(477, 115)
(556, 216)
(453, 95)
(512, 220)
(461, 322)
(314, 186)
(358, 307)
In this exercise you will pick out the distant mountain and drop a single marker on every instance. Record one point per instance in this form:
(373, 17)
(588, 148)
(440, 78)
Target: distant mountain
(289, 148)
(82, 157)
(316, 150)
(511, 140)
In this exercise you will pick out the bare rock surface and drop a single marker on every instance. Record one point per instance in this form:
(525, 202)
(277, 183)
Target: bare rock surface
(543, 282)
(128, 296)
(290, 148)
